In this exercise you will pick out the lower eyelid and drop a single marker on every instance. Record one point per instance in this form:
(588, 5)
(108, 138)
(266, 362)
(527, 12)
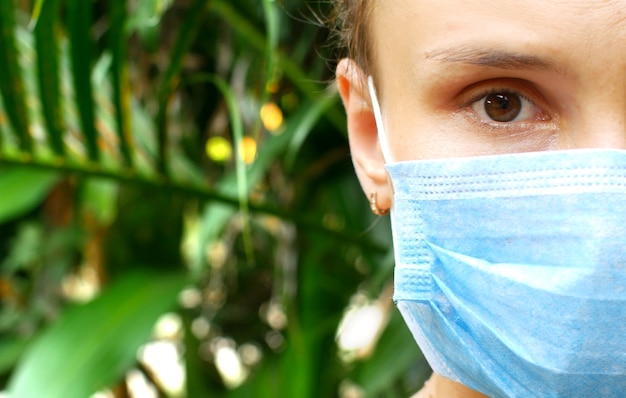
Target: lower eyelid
(524, 133)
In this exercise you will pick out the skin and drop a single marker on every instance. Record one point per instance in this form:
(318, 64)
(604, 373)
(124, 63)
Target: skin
(436, 63)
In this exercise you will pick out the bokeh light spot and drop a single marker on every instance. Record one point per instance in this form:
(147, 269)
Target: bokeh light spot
(248, 149)
(218, 149)
(271, 116)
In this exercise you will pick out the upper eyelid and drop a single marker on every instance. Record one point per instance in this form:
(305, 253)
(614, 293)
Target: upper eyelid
(482, 93)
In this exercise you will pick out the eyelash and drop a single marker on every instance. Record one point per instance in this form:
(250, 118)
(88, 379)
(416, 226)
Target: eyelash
(497, 90)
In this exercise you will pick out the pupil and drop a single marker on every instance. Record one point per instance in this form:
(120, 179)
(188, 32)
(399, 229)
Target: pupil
(503, 107)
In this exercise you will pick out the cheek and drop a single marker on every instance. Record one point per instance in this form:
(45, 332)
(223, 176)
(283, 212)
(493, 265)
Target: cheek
(434, 135)
(414, 135)
(428, 125)
(421, 128)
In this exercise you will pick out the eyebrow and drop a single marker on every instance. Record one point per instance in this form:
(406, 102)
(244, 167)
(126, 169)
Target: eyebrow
(493, 58)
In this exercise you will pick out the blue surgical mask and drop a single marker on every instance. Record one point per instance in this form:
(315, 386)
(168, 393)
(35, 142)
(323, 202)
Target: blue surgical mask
(511, 270)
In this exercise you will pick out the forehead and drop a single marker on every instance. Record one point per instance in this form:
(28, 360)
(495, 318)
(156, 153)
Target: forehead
(567, 34)
(470, 17)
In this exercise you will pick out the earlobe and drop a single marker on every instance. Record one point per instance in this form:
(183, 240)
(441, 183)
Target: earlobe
(367, 156)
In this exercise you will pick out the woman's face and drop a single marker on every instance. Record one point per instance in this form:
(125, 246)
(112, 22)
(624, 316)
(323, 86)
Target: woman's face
(469, 77)
(461, 77)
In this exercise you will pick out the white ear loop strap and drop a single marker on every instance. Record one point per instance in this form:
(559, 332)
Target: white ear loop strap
(382, 136)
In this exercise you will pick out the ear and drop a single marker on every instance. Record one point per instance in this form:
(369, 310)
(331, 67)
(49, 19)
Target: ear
(362, 132)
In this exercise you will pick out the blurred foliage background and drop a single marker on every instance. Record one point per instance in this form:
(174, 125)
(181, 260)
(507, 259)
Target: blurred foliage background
(178, 210)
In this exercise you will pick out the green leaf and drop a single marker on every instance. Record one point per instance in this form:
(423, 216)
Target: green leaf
(304, 125)
(236, 123)
(26, 248)
(91, 346)
(272, 28)
(10, 351)
(23, 189)
(11, 83)
(79, 17)
(36, 13)
(48, 73)
(168, 84)
(121, 84)
(100, 199)
(148, 13)
(146, 18)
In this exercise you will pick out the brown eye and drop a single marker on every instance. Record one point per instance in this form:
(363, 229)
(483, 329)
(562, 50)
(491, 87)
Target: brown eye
(503, 107)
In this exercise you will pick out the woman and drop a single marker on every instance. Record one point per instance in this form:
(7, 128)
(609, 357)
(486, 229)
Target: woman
(494, 131)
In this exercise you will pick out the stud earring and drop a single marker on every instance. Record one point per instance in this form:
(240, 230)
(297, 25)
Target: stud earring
(374, 205)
